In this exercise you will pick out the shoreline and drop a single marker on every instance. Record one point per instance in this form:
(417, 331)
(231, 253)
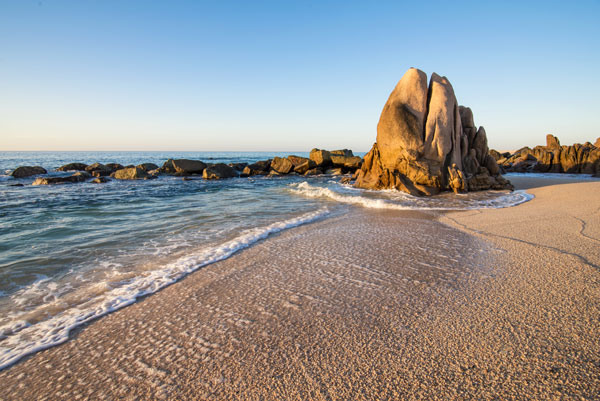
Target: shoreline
(266, 322)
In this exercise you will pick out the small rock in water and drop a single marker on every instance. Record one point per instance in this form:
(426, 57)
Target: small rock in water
(218, 171)
(183, 167)
(147, 166)
(99, 180)
(321, 157)
(131, 173)
(334, 171)
(258, 168)
(114, 166)
(72, 167)
(281, 165)
(342, 152)
(80, 176)
(28, 171)
(99, 170)
(239, 167)
(304, 167)
(314, 171)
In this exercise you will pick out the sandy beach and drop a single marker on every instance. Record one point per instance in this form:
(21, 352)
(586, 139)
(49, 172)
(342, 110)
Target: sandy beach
(371, 305)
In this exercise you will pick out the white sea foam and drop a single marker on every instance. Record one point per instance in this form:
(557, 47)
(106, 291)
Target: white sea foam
(396, 200)
(564, 176)
(19, 337)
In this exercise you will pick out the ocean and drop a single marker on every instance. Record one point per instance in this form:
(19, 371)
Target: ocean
(73, 252)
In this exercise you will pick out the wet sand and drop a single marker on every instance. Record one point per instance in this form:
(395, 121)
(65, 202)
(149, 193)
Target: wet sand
(493, 304)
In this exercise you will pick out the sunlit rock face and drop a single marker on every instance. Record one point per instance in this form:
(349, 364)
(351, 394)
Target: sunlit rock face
(553, 158)
(427, 143)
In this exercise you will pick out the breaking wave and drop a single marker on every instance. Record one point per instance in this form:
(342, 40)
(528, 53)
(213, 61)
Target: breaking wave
(24, 335)
(391, 199)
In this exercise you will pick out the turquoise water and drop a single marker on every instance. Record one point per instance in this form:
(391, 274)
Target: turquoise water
(73, 252)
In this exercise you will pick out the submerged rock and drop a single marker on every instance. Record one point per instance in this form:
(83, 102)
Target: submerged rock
(334, 171)
(314, 171)
(99, 180)
(427, 143)
(27, 171)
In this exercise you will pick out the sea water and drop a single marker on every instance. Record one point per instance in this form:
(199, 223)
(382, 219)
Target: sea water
(70, 253)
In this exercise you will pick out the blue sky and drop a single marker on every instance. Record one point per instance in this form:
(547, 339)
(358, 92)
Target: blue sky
(286, 76)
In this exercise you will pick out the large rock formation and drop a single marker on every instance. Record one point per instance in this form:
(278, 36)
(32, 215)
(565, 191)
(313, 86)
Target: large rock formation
(553, 158)
(427, 143)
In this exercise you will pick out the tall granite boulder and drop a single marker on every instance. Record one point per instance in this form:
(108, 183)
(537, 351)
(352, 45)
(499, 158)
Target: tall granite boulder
(427, 143)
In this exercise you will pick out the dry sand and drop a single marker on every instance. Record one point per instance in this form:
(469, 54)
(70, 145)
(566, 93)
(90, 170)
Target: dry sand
(495, 304)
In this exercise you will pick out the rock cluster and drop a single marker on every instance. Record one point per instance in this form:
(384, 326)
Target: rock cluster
(552, 158)
(427, 143)
(320, 162)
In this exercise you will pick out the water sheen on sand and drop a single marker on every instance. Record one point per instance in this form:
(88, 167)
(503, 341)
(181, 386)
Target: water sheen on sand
(70, 253)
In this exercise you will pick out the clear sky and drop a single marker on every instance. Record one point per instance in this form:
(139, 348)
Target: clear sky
(286, 76)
